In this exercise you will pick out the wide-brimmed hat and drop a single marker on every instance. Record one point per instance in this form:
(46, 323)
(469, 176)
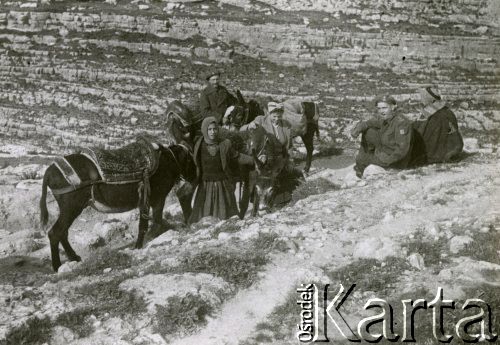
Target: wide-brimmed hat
(275, 107)
(211, 73)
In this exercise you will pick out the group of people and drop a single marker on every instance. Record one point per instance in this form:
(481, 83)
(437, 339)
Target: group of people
(388, 140)
(216, 159)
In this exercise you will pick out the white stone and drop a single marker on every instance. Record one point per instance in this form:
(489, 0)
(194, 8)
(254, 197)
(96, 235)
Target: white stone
(164, 238)
(68, 267)
(61, 335)
(317, 226)
(29, 5)
(223, 236)
(133, 120)
(143, 7)
(471, 145)
(376, 248)
(373, 171)
(417, 261)
(432, 229)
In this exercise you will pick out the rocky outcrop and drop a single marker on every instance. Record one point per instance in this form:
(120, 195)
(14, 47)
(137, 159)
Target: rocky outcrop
(85, 74)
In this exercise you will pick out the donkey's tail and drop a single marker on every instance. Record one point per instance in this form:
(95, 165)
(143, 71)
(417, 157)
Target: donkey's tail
(44, 213)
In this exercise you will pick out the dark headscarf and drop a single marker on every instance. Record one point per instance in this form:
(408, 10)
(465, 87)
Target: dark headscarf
(204, 129)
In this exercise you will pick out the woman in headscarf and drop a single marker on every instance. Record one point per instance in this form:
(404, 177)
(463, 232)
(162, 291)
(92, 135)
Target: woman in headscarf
(214, 159)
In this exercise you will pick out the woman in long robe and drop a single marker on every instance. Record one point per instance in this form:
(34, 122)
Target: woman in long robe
(214, 159)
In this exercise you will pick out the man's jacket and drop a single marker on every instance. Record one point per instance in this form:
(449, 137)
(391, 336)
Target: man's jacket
(214, 101)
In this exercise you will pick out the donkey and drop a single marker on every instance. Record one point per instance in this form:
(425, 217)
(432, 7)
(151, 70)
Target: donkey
(174, 162)
(304, 123)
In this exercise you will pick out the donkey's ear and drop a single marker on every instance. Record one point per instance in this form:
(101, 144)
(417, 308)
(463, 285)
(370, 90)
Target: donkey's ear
(241, 100)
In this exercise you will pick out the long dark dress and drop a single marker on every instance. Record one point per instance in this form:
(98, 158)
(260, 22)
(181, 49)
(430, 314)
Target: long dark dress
(215, 193)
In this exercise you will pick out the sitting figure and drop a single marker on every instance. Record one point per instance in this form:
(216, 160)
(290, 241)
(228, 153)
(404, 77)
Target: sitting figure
(438, 128)
(214, 161)
(386, 140)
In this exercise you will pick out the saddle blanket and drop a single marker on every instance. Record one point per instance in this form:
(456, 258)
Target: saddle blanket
(126, 164)
(299, 114)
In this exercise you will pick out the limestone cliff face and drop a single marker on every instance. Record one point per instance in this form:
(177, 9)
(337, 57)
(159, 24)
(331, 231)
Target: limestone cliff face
(96, 73)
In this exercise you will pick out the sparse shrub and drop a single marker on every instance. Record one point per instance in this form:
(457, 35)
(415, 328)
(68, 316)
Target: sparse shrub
(29, 175)
(430, 250)
(77, 321)
(35, 331)
(105, 297)
(100, 260)
(236, 268)
(370, 274)
(228, 226)
(484, 247)
(182, 315)
(313, 187)
(269, 241)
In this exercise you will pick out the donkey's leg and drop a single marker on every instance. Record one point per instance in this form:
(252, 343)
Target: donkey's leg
(307, 139)
(185, 202)
(54, 238)
(143, 227)
(244, 199)
(69, 212)
(158, 214)
(256, 202)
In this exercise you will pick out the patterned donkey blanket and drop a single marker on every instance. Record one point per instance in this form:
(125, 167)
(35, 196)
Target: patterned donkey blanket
(126, 164)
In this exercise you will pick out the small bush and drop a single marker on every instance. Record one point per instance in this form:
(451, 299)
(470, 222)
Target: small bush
(430, 250)
(484, 247)
(181, 315)
(370, 274)
(106, 297)
(77, 321)
(236, 268)
(34, 331)
(313, 187)
(99, 261)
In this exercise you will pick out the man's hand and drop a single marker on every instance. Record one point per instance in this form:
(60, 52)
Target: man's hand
(263, 159)
(356, 131)
(252, 125)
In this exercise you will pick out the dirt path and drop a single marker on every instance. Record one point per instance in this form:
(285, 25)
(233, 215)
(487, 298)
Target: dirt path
(239, 316)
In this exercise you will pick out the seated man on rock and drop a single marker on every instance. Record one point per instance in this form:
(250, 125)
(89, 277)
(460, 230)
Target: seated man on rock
(438, 128)
(387, 139)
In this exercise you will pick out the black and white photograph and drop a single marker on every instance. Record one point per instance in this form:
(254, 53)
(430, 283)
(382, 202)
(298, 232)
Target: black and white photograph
(249, 172)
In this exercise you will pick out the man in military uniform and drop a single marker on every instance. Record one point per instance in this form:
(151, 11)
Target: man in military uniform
(387, 139)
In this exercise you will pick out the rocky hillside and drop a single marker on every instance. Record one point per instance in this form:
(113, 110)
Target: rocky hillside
(80, 73)
(87, 73)
(397, 235)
